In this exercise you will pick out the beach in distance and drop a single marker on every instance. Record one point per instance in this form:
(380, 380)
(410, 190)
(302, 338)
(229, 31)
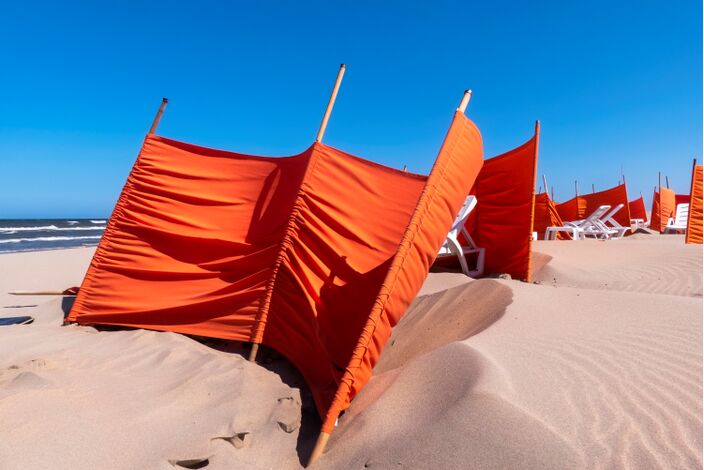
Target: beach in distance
(597, 363)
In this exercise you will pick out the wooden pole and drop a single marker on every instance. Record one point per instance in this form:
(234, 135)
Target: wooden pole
(552, 193)
(159, 113)
(545, 184)
(319, 448)
(465, 101)
(576, 189)
(41, 292)
(593, 190)
(659, 181)
(253, 352)
(331, 103)
(667, 182)
(405, 168)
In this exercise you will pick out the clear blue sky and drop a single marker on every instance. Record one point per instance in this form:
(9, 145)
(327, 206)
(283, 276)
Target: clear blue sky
(613, 83)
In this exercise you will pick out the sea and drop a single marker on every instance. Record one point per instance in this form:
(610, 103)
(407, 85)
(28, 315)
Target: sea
(49, 234)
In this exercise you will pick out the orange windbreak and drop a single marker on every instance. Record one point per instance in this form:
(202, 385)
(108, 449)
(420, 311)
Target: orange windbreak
(502, 222)
(546, 215)
(664, 203)
(316, 255)
(612, 197)
(637, 209)
(694, 220)
(573, 209)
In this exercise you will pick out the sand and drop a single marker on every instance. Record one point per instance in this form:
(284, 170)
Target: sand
(597, 365)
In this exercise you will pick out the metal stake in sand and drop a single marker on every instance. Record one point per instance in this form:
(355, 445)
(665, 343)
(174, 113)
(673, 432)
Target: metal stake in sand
(331, 103)
(159, 113)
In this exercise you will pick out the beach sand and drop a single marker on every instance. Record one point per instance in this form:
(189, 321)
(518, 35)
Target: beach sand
(598, 364)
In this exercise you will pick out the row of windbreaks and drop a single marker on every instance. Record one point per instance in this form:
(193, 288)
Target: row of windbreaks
(317, 255)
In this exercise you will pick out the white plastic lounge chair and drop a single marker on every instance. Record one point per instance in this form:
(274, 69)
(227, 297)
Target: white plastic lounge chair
(612, 224)
(452, 246)
(579, 229)
(680, 220)
(639, 223)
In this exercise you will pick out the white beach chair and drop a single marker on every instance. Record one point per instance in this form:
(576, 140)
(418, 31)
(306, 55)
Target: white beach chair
(680, 221)
(452, 246)
(579, 229)
(639, 223)
(611, 223)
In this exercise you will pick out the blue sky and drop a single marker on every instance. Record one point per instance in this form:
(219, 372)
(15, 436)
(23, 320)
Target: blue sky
(613, 83)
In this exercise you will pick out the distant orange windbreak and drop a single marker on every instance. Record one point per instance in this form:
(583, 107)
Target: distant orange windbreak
(611, 197)
(317, 255)
(694, 220)
(637, 209)
(572, 209)
(664, 203)
(502, 222)
(546, 215)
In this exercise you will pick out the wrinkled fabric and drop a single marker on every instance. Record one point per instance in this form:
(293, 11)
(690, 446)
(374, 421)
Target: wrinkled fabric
(502, 221)
(637, 209)
(694, 221)
(572, 209)
(315, 255)
(546, 215)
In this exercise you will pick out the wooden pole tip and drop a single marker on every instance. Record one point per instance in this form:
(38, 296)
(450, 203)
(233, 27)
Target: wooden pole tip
(465, 101)
(164, 100)
(319, 448)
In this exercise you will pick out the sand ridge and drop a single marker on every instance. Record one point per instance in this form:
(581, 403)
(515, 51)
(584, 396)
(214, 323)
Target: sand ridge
(597, 365)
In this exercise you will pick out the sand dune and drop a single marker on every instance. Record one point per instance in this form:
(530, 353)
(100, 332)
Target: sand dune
(597, 366)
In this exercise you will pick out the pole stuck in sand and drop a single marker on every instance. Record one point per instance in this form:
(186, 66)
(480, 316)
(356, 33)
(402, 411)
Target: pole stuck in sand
(659, 181)
(331, 103)
(552, 193)
(464, 101)
(667, 182)
(159, 113)
(593, 190)
(576, 189)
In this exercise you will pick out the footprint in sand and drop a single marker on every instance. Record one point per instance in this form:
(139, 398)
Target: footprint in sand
(191, 463)
(287, 414)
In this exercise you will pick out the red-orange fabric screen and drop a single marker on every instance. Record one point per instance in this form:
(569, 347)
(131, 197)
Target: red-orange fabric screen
(502, 222)
(546, 215)
(694, 220)
(295, 253)
(572, 209)
(664, 203)
(612, 197)
(637, 209)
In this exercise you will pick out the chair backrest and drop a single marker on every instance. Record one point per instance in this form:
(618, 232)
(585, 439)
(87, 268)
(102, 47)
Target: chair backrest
(681, 214)
(593, 217)
(610, 216)
(469, 203)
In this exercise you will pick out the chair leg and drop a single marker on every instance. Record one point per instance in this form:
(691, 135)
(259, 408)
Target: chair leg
(457, 250)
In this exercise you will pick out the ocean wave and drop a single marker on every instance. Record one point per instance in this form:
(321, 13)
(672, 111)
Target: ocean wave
(47, 228)
(72, 222)
(98, 221)
(50, 239)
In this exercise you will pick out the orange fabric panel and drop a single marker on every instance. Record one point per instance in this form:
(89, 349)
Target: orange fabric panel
(546, 215)
(637, 209)
(200, 226)
(694, 222)
(458, 164)
(612, 197)
(572, 209)
(502, 222)
(350, 217)
(664, 203)
(316, 255)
